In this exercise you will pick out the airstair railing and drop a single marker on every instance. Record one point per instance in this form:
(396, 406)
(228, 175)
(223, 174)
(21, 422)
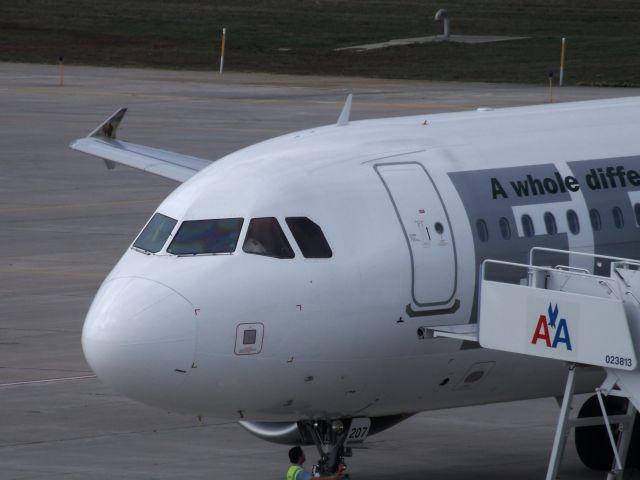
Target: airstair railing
(536, 276)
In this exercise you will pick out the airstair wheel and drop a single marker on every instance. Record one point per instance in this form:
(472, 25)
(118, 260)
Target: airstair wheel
(592, 443)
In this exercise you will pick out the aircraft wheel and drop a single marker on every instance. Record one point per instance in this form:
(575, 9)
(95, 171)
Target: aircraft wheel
(592, 443)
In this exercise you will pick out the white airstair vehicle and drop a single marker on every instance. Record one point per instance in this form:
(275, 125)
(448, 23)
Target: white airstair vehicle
(569, 314)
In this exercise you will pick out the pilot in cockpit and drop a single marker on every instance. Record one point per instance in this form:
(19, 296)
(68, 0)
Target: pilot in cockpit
(256, 234)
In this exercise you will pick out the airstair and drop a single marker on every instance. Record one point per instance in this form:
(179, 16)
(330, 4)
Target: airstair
(570, 314)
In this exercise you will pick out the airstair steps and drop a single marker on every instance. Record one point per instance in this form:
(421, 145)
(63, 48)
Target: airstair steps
(565, 313)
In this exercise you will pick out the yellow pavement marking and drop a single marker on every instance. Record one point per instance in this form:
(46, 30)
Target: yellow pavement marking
(46, 380)
(66, 206)
(44, 272)
(67, 91)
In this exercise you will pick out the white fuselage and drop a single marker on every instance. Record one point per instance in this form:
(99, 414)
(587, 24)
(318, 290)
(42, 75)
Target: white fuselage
(400, 202)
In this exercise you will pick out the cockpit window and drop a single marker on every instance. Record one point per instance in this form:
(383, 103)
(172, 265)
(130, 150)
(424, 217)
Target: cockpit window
(310, 238)
(265, 237)
(155, 234)
(197, 237)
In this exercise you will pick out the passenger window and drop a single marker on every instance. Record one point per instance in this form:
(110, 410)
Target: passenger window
(573, 221)
(155, 234)
(550, 223)
(636, 209)
(309, 237)
(265, 237)
(527, 226)
(483, 231)
(505, 228)
(197, 237)
(596, 222)
(618, 218)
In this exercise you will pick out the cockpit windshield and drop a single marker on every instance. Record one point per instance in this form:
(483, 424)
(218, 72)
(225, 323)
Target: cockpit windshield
(197, 237)
(155, 234)
(310, 238)
(265, 237)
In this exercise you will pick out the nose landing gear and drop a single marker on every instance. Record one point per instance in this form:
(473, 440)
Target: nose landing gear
(329, 439)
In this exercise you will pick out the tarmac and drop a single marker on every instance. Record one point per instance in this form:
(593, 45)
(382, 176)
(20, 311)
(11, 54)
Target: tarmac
(66, 220)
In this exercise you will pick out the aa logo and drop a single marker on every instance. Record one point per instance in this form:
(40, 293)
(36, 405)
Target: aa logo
(552, 330)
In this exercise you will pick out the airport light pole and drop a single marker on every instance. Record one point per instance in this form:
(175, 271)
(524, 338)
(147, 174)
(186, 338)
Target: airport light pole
(61, 69)
(224, 37)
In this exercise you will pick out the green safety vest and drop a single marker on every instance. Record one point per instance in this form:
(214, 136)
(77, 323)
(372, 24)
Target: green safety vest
(293, 471)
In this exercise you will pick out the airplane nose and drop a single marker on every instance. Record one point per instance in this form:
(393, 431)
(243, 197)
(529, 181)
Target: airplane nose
(139, 337)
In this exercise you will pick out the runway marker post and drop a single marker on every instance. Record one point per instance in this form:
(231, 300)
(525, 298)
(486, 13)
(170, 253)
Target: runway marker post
(61, 69)
(562, 52)
(224, 38)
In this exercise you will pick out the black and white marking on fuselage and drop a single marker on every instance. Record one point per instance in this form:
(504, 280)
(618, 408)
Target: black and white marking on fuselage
(589, 206)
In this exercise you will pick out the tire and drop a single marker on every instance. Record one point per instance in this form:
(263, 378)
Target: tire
(592, 443)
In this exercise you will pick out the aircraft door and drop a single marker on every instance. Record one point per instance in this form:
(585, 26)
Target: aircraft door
(427, 230)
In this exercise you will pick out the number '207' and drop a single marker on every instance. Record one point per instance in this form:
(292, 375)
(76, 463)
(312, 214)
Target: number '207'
(358, 433)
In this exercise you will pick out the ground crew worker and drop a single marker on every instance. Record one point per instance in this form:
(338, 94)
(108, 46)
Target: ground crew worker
(296, 472)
